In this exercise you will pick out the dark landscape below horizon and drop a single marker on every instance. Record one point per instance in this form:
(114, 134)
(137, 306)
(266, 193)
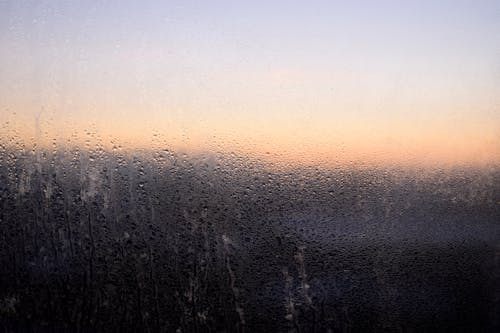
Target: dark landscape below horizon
(96, 241)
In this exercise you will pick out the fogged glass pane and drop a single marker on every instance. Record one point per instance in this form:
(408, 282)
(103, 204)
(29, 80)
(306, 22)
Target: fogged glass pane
(278, 166)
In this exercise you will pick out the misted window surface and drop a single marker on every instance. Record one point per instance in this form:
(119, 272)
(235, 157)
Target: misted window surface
(249, 166)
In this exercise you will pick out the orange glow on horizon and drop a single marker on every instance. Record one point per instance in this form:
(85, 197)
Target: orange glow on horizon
(287, 142)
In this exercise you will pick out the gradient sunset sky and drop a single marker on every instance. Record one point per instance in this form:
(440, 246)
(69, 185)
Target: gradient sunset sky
(399, 81)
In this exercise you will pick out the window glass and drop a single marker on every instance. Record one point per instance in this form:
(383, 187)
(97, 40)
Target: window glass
(258, 166)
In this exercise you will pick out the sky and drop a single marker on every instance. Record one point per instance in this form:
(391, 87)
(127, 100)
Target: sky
(305, 81)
